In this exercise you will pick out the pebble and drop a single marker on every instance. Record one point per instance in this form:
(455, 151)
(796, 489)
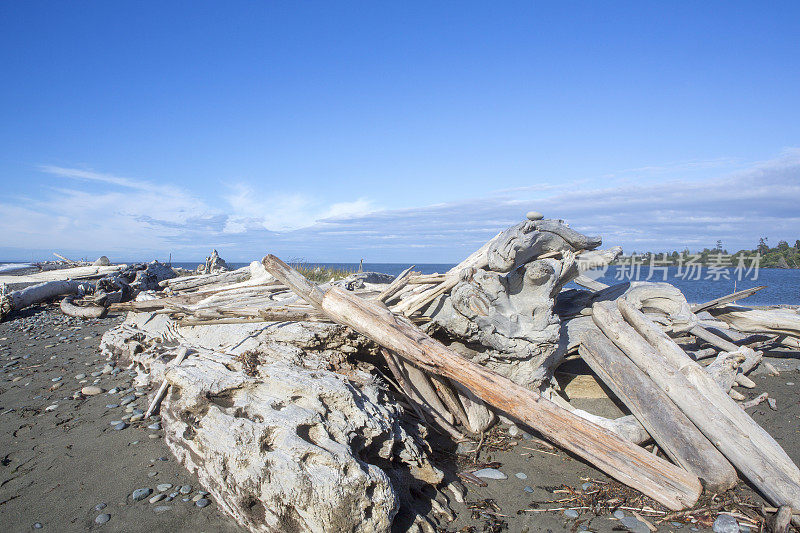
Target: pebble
(127, 399)
(136, 418)
(162, 508)
(154, 436)
(155, 426)
(676, 525)
(186, 489)
(157, 498)
(91, 390)
(140, 494)
(56, 379)
(520, 475)
(112, 406)
(173, 494)
(119, 426)
(37, 525)
(51, 407)
(587, 486)
(528, 489)
(634, 525)
(489, 473)
(571, 513)
(102, 518)
(534, 215)
(513, 431)
(80, 376)
(725, 523)
(164, 487)
(197, 497)
(202, 502)
(619, 515)
(100, 506)
(152, 474)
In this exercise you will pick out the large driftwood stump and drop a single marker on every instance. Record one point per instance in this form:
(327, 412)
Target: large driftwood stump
(279, 428)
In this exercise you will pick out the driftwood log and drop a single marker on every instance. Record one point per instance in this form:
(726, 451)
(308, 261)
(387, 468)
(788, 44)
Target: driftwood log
(666, 483)
(746, 445)
(16, 300)
(69, 308)
(669, 427)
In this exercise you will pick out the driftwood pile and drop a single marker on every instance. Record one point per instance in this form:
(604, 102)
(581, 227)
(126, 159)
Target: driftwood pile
(308, 406)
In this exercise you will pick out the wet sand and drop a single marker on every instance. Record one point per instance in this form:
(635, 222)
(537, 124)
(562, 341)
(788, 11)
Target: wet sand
(59, 463)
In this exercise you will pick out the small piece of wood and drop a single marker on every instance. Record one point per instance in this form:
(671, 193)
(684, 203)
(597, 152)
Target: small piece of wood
(630, 464)
(162, 390)
(669, 427)
(739, 295)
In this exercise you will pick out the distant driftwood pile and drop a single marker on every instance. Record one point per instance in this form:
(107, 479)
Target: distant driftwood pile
(306, 407)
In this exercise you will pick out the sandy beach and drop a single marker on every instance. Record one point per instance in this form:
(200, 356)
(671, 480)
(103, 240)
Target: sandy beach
(66, 465)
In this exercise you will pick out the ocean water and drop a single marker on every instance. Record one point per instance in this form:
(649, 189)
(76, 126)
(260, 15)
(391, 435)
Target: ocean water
(783, 285)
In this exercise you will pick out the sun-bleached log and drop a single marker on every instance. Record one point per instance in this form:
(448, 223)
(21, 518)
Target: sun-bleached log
(746, 445)
(664, 482)
(194, 282)
(745, 319)
(16, 300)
(670, 428)
(396, 285)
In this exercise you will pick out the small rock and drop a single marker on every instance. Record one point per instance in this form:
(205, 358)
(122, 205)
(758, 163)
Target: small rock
(164, 487)
(513, 431)
(202, 502)
(197, 497)
(634, 525)
(100, 506)
(520, 475)
(91, 390)
(112, 405)
(528, 489)
(140, 494)
(725, 523)
(155, 426)
(37, 525)
(173, 494)
(127, 399)
(119, 426)
(676, 525)
(102, 518)
(157, 498)
(534, 215)
(186, 489)
(162, 508)
(489, 473)
(80, 376)
(587, 486)
(136, 418)
(571, 513)
(619, 515)
(51, 407)
(56, 379)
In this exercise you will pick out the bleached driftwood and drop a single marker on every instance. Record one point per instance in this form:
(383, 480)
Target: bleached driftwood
(194, 282)
(745, 444)
(670, 485)
(669, 427)
(64, 274)
(69, 308)
(20, 299)
(738, 295)
(776, 321)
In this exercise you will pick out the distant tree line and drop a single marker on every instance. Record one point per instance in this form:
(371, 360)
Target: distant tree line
(781, 256)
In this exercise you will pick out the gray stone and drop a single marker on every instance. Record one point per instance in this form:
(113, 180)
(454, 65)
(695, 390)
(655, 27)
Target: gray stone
(520, 475)
(102, 518)
(571, 513)
(489, 473)
(162, 508)
(186, 489)
(619, 515)
(155, 426)
(164, 487)
(91, 390)
(725, 523)
(100, 506)
(587, 486)
(534, 215)
(127, 399)
(37, 525)
(141, 494)
(634, 525)
(513, 431)
(112, 405)
(157, 498)
(202, 502)
(528, 489)
(80, 376)
(119, 426)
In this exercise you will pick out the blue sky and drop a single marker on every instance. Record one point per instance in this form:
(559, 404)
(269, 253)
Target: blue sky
(394, 132)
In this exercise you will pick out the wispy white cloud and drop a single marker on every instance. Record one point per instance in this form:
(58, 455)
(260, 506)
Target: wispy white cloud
(140, 218)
